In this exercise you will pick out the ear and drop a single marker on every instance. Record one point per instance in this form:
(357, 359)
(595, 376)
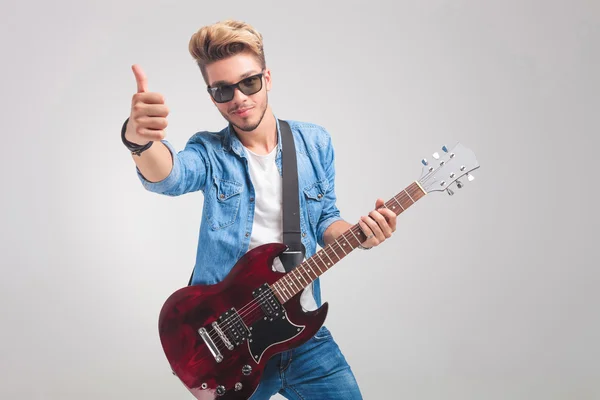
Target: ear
(267, 77)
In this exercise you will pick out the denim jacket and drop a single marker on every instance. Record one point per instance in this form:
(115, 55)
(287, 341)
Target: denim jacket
(215, 163)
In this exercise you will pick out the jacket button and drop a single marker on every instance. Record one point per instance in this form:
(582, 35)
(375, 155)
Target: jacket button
(222, 196)
(319, 195)
(303, 234)
(247, 234)
(251, 199)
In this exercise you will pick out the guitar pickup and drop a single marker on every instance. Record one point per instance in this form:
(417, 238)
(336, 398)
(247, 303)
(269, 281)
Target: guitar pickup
(234, 329)
(268, 302)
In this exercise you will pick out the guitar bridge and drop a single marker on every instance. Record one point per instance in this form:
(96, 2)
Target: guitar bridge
(210, 344)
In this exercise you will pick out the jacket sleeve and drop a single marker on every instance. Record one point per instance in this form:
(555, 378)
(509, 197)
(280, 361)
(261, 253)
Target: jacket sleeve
(190, 168)
(330, 212)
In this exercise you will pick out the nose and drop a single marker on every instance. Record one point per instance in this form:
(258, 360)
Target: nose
(238, 96)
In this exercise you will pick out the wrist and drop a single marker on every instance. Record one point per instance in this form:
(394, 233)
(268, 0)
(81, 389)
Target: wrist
(134, 148)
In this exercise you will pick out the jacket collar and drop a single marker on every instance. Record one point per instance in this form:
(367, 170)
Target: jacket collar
(232, 142)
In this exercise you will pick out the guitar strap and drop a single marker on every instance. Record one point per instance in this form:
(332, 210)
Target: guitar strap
(294, 254)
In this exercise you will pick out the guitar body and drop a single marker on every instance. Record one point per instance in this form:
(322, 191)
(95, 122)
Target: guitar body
(218, 338)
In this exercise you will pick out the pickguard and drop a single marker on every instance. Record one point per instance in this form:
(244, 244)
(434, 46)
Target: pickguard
(267, 333)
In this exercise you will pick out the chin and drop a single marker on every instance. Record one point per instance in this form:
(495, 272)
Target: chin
(248, 125)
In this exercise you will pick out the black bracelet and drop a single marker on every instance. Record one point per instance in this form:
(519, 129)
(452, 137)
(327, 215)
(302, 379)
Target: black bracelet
(134, 148)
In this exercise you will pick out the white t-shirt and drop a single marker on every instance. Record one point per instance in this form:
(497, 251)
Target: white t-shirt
(268, 220)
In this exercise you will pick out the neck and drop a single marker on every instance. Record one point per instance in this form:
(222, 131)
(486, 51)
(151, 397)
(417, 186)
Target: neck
(309, 270)
(263, 139)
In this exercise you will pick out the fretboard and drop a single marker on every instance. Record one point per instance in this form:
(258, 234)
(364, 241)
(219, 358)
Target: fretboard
(309, 270)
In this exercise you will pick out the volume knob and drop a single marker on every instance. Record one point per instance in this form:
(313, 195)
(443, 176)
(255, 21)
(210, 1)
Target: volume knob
(220, 390)
(246, 370)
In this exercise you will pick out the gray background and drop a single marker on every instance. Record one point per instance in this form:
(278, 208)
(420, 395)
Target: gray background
(489, 294)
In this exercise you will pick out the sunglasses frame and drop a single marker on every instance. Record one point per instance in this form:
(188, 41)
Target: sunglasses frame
(212, 90)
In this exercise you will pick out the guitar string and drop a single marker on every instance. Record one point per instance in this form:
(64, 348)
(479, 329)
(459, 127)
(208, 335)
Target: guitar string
(255, 302)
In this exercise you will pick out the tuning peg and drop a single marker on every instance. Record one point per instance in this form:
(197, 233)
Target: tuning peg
(436, 155)
(459, 184)
(424, 161)
(445, 149)
(450, 191)
(470, 177)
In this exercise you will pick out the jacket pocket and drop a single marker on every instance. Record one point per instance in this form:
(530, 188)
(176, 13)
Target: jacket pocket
(224, 201)
(315, 193)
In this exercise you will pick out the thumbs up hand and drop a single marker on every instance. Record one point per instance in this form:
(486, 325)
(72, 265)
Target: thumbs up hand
(148, 118)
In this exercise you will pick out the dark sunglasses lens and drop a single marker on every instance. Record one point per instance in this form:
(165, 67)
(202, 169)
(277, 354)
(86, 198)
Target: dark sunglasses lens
(251, 85)
(223, 94)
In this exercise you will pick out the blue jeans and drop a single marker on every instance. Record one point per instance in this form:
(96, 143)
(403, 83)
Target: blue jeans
(315, 370)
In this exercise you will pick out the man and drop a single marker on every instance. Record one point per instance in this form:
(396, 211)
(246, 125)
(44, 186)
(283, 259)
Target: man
(239, 171)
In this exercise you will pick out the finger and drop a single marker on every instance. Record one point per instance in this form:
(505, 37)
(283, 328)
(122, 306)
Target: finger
(151, 134)
(158, 123)
(365, 228)
(374, 228)
(140, 78)
(379, 204)
(148, 98)
(381, 223)
(153, 110)
(390, 216)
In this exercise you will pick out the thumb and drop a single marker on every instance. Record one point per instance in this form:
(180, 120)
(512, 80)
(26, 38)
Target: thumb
(140, 78)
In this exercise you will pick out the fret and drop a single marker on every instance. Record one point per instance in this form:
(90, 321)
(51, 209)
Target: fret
(282, 290)
(290, 284)
(318, 267)
(295, 276)
(341, 247)
(321, 261)
(359, 232)
(295, 282)
(399, 203)
(357, 240)
(310, 269)
(276, 291)
(319, 255)
(302, 276)
(346, 239)
(330, 260)
(334, 252)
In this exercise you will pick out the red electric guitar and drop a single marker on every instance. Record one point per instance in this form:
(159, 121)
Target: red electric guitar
(218, 338)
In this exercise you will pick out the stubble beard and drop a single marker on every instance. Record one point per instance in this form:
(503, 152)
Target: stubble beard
(249, 127)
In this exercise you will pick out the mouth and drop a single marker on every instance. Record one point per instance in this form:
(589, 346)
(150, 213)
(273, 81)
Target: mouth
(243, 112)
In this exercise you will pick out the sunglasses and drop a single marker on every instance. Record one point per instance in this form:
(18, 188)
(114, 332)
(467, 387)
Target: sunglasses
(224, 93)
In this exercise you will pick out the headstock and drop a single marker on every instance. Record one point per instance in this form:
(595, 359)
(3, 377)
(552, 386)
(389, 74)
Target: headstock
(447, 169)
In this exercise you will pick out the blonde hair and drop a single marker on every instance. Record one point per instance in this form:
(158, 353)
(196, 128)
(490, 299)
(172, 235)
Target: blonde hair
(224, 39)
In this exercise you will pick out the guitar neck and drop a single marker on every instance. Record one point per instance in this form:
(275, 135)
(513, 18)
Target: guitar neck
(309, 270)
